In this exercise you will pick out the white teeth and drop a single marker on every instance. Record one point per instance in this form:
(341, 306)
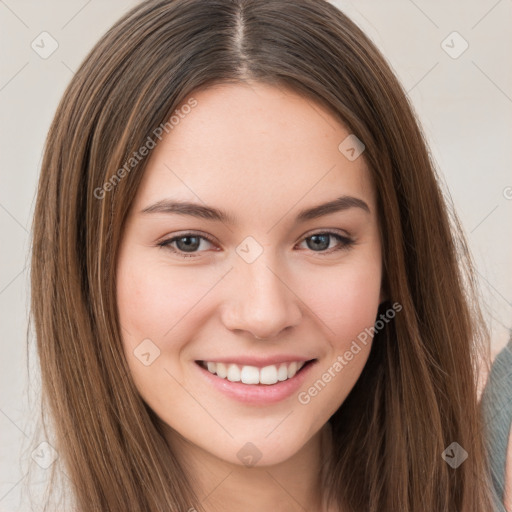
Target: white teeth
(292, 370)
(221, 370)
(233, 373)
(252, 375)
(268, 375)
(282, 373)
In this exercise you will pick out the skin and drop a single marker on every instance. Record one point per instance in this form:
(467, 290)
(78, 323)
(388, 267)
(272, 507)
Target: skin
(262, 154)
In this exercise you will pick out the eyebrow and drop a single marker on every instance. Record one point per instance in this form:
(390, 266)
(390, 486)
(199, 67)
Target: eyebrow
(209, 213)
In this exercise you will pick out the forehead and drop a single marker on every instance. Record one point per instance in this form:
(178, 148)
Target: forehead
(252, 146)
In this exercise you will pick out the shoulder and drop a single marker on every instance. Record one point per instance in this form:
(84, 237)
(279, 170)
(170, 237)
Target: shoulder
(508, 478)
(497, 410)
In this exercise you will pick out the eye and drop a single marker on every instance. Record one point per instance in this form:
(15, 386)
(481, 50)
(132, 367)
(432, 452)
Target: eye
(187, 244)
(321, 242)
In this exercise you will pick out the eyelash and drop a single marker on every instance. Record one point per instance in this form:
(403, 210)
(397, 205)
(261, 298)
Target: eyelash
(345, 243)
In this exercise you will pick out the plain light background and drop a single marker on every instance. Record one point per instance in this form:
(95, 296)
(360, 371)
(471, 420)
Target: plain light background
(463, 100)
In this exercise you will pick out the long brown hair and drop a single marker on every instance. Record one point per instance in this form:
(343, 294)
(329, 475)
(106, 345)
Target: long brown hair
(417, 392)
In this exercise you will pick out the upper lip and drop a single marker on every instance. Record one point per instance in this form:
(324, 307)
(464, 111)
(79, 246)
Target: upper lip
(259, 362)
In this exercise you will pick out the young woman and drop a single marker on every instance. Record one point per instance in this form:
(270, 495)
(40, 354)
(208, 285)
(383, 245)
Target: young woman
(246, 289)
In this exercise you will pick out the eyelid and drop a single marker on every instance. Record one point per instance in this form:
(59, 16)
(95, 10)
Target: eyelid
(184, 233)
(327, 231)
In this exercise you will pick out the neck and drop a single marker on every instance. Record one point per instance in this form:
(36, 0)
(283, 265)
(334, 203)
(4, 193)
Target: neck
(292, 485)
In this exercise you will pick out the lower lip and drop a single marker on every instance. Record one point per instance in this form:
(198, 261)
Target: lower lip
(258, 394)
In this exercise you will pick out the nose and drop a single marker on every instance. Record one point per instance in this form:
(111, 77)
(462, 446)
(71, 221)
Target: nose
(261, 302)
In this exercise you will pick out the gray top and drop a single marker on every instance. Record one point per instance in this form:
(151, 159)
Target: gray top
(497, 410)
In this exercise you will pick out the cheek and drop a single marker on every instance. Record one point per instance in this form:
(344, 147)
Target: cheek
(346, 300)
(153, 298)
(347, 304)
(155, 303)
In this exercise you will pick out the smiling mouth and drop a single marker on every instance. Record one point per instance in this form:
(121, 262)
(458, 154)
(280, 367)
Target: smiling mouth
(253, 375)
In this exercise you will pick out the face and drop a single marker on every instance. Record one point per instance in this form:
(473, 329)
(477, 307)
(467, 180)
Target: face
(251, 251)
